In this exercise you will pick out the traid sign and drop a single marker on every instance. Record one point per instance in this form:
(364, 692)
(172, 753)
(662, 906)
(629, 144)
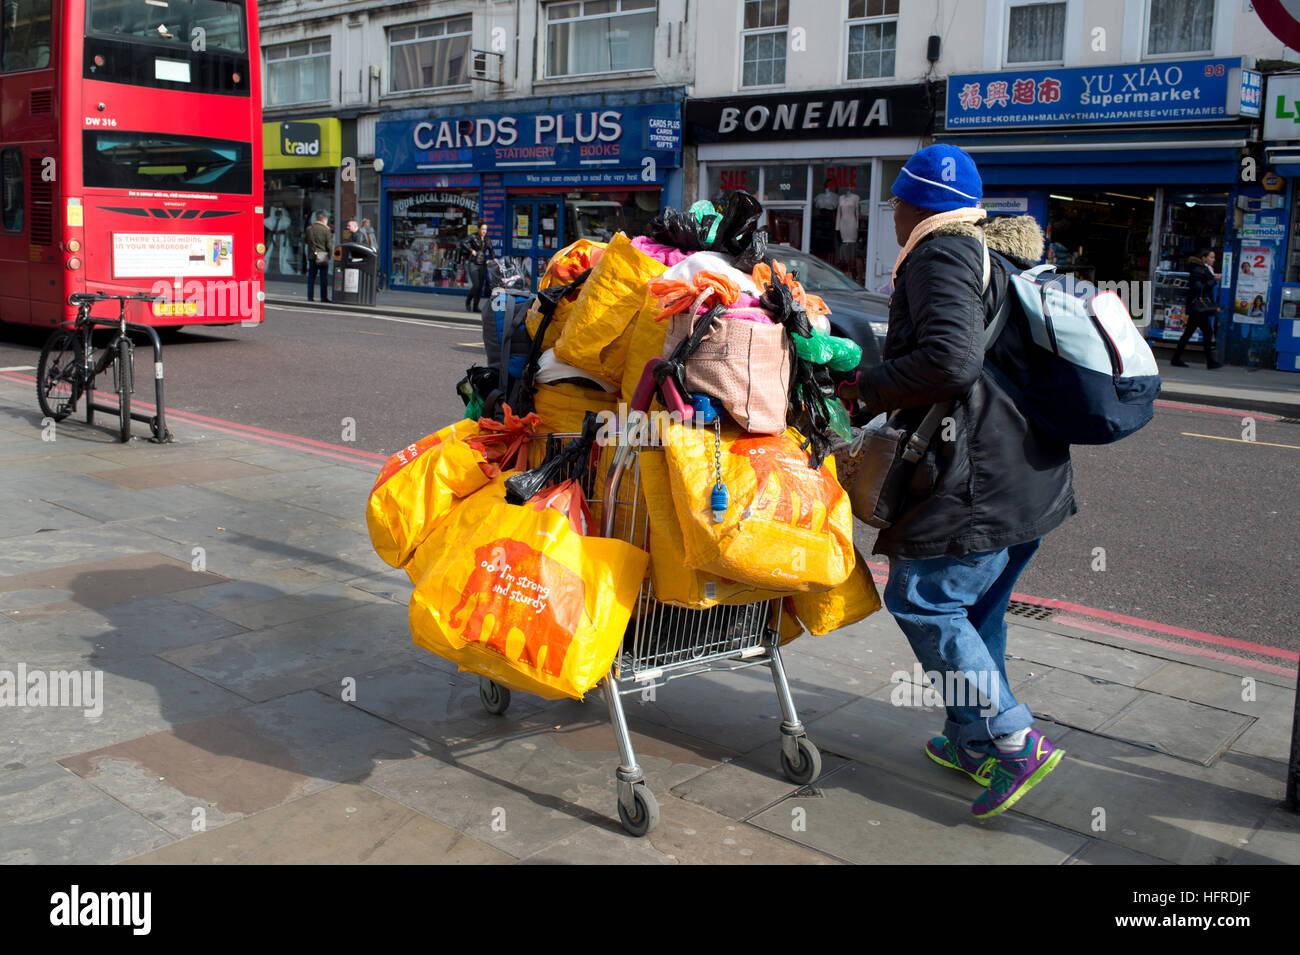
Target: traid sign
(302, 144)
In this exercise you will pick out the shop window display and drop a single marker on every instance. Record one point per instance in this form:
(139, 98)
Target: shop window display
(840, 216)
(292, 200)
(427, 230)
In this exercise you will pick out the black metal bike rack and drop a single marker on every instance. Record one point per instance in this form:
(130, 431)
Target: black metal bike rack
(157, 423)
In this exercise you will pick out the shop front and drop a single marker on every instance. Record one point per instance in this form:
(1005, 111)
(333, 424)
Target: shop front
(820, 162)
(1148, 175)
(546, 173)
(300, 159)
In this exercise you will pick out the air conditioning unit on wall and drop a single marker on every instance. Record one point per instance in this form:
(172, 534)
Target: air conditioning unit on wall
(486, 65)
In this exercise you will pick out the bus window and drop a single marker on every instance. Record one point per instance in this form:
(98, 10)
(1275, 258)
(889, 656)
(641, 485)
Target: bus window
(26, 35)
(119, 160)
(172, 22)
(11, 176)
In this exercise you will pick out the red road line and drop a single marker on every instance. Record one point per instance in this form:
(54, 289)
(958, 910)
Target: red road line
(309, 445)
(1228, 411)
(1170, 645)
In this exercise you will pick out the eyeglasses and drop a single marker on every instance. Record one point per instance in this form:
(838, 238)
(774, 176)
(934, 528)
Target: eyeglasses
(893, 203)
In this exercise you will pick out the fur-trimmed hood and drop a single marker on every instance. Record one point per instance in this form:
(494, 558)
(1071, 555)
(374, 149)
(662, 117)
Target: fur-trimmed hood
(1017, 237)
(1195, 260)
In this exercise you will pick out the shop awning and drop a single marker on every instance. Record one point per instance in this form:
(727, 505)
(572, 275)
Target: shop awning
(1284, 160)
(1192, 157)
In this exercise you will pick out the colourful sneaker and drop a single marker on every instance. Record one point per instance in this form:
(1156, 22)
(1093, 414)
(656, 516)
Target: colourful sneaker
(947, 753)
(1014, 774)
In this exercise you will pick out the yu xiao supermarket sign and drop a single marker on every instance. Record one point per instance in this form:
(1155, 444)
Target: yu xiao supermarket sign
(1145, 93)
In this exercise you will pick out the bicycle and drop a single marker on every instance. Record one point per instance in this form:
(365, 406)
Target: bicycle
(67, 368)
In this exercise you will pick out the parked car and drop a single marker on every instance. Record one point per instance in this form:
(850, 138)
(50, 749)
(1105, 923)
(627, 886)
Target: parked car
(855, 313)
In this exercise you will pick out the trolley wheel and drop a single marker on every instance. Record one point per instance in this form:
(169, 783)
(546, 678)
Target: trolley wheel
(496, 698)
(647, 811)
(809, 765)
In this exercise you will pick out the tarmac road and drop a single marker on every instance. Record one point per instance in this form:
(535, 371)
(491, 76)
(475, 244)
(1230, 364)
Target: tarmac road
(1183, 523)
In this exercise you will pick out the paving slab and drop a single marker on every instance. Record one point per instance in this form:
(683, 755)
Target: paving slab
(435, 701)
(75, 544)
(263, 664)
(274, 608)
(123, 504)
(1275, 842)
(1100, 852)
(138, 696)
(202, 470)
(1187, 730)
(738, 709)
(496, 812)
(568, 751)
(741, 787)
(1080, 656)
(50, 817)
(867, 816)
(108, 635)
(686, 835)
(346, 824)
(241, 763)
(1246, 695)
(1175, 810)
(103, 583)
(1075, 699)
(39, 517)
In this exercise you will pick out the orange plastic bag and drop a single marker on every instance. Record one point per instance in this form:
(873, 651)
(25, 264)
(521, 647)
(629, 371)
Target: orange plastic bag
(598, 333)
(787, 525)
(514, 594)
(418, 486)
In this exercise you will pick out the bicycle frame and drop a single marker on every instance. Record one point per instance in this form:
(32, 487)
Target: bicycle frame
(86, 324)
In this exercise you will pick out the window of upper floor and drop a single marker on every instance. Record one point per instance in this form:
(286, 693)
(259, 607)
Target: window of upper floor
(764, 39)
(426, 56)
(872, 38)
(298, 72)
(585, 37)
(1035, 34)
(1180, 27)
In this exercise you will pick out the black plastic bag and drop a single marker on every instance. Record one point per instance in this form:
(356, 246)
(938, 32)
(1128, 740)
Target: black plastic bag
(560, 464)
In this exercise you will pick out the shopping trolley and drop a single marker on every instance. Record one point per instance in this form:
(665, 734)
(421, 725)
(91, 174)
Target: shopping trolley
(666, 642)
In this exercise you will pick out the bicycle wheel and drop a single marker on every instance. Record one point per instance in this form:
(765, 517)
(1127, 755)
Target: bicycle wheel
(58, 375)
(124, 374)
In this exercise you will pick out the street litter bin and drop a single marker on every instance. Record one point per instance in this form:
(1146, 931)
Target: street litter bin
(355, 268)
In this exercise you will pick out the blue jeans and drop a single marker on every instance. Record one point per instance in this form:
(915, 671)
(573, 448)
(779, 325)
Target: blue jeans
(952, 610)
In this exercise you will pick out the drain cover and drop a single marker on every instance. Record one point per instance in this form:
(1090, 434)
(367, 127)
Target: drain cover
(1020, 608)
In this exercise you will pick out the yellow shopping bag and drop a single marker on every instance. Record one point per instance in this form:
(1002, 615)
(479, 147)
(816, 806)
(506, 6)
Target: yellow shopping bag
(563, 406)
(515, 594)
(563, 267)
(418, 485)
(674, 582)
(598, 333)
(854, 600)
(786, 526)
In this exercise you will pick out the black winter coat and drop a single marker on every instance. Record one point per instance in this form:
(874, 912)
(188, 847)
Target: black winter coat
(1200, 284)
(999, 481)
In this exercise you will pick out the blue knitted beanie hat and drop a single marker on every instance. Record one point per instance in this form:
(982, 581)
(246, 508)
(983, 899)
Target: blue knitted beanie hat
(939, 178)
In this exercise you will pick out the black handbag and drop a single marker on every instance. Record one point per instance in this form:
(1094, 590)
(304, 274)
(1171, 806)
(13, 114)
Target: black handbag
(890, 454)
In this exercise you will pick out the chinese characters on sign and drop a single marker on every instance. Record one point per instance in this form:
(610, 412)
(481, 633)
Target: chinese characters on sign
(1189, 90)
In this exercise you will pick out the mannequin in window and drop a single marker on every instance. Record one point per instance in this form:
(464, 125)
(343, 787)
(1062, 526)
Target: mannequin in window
(823, 222)
(846, 226)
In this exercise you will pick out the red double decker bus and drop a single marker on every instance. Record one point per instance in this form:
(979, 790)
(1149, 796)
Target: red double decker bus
(130, 159)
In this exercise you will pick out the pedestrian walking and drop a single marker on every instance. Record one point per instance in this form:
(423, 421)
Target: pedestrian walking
(1201, 308)
(987, 491)
(320, 243)
(477, 250)
(366, 235)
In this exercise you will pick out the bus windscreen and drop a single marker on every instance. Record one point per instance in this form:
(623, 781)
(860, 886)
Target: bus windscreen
(172, 22)
(123, 160)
